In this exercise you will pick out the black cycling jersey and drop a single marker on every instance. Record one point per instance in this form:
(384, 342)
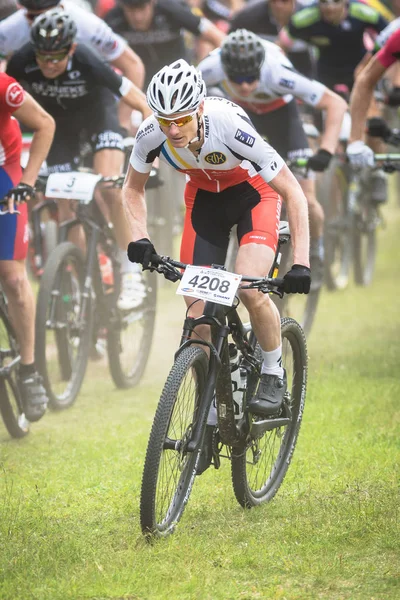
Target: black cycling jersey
(163, 43)
(341, 47)
(81, 100)
(256, 17)
(77, 88)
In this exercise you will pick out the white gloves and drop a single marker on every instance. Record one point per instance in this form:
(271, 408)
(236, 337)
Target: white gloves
(360, 155)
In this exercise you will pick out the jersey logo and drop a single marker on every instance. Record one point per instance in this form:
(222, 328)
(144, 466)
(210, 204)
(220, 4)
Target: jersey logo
(215, 158)
(287, 83)
(244, 138)
(14, 95)
(74, 74)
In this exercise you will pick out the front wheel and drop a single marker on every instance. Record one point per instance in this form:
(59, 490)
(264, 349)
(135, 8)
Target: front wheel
(170, 468)
(63, 325)
(259, 469)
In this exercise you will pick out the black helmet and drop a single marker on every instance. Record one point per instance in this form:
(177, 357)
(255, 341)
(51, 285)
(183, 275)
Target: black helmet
(53, 30)
(38, 4)
(242, 53)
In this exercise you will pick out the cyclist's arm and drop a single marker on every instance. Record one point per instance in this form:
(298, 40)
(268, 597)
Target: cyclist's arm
(137, 101)
(245, 143)
(289, 188)
(121, 86)
(33, 116)
(285, 79)
(192, 21)
(131, 65)
(335, 108)
(134, 203)
(361, 96)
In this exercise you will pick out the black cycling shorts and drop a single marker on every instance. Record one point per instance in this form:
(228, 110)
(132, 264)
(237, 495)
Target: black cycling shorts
(284, 131)
(96, 124)
(251, 205)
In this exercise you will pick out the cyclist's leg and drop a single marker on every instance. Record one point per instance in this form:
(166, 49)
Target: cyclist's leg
(258, 236)
(18, 290)
(204, 239)
(64, 158)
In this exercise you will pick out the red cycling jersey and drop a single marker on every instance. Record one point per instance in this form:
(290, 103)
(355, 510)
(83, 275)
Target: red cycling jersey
(390, 51)
(11, 98)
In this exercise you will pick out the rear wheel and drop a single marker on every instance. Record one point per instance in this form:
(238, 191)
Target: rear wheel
(11, 408)
(170, 468)
(130, 336)
(259, 469)
(63, 325)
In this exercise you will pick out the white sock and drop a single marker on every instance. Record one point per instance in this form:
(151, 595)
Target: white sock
(126, 265)
(272, 364)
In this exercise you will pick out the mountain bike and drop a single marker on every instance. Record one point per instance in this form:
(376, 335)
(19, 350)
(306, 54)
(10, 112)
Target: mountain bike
(76, 305)
(259, 449)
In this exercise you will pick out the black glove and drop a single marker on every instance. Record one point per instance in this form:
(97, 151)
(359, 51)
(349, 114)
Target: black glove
(297, 280)
(141, 252)
(320, 160)
(393, 98)
(20, 193)
(378, 128)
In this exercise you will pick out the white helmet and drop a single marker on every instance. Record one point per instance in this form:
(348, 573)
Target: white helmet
(178, 87)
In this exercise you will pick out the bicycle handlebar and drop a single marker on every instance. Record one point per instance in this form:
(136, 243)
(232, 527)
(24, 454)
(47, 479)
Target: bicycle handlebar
(169, 268)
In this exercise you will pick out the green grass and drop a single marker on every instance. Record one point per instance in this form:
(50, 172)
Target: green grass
(69, 492)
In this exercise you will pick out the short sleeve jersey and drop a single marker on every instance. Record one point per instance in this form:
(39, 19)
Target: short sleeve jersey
(15, 32)
(279, 82)
(390, 51)
(163, 42)
(232, 152)
(11, 98)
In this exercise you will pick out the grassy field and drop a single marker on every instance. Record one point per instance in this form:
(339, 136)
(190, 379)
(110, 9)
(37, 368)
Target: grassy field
(69, 492)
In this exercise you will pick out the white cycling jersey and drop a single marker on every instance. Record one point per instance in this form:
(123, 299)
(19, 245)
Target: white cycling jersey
(279, 82)
(232, 151)
(15, 32)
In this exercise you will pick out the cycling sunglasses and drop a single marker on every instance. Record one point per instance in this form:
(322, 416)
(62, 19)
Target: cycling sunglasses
(178, 121)
(330, 1)
(244, 78)
(55, 57)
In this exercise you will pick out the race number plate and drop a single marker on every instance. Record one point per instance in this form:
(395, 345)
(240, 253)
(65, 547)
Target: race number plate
(73, 186)
(209, 284)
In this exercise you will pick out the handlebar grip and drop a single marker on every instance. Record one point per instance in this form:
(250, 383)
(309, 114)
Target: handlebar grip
(279, 282)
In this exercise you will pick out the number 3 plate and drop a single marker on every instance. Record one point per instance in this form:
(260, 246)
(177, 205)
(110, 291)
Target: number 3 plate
(209, 284)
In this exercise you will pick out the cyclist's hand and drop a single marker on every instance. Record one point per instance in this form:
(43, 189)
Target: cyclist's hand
(393, 98)
(20, 193)
(320, 160)
(377, 127)
(360, 155)
(141, 252)
(297, 280)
